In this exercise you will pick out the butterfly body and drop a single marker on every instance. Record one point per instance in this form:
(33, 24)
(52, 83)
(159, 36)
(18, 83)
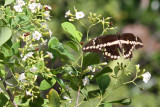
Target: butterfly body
(113, 45)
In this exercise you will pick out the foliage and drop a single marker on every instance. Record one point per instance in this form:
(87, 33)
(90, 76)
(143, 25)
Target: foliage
(26, 59)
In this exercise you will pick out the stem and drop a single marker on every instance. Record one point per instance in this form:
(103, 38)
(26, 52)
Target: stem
(78, 96)
(10, 94)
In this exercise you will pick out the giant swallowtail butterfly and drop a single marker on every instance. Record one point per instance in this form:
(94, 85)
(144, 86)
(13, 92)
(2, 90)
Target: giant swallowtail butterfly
(113, 46)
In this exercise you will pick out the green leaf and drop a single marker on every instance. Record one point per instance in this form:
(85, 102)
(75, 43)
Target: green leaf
(46, 84)
(5, 35)
(124, 101)
(116, 70)
(70, 28)
(90, 59)
(74, 83)
(94, 94)
(103, 82)
(14, 48)
(10, 59)
(3, 100)
(72, 45)
(106, 104)
(37, 102)
(57, 46)
(103, 71)
(54, 99)
(7, 2)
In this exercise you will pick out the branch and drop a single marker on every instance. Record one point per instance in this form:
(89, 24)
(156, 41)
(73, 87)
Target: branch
(78, 97)
(10, 94)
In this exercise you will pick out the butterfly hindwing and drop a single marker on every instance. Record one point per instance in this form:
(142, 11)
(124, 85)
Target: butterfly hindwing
(112, 52)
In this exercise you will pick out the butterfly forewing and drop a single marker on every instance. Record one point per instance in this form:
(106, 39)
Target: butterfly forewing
(99, 43)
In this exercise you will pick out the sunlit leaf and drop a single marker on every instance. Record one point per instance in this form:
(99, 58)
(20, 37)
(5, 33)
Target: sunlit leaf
(7, 2)
(70, 28)
(124, 101)
(116, 70)
(106, 104)
(72, 45)
(54, 99)
(57, 46)
(46, 84)
(5, 34)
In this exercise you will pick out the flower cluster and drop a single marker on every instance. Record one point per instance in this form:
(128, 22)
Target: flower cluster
(77, 15)
(34, 7)
(18, 6)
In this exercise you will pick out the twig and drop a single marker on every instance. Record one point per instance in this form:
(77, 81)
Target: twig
(78, 97)
(10, 94)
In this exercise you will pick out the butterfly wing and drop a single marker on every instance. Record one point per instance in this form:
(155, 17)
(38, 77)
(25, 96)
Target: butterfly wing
(108, 45)
(97, 44)
(129, 43)
(112, 52)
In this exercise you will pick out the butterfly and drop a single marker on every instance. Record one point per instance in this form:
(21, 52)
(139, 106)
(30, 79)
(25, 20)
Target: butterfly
(114, 46)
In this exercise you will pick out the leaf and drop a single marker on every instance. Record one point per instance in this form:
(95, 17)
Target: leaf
(57, 46)
(54, 99)
(14, 48)
(5, 35)
(103, 71)
(72, 45)
(106, 104)
(124, 101)
(70, 28)
(103, 82)
(3, 100)
(7, 2)
(37, 102)
(61, 83)
(116, 70)
(94, 94)
(46, 84)
(90, 59)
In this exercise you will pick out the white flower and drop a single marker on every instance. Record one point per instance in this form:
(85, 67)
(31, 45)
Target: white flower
(18, 8)
(24, 58)
(32, 7)
(85, 81)
(38, 6)
(44, 42)
(146, 77)
(37, 35)
(92, 69)
(29, 54)
(49, 7)
(21, 2)
(44, 25)
(28, 93)
(50, 33)
(33, 69)
(68, 13)
(50, 55)
(22, 77)
(46, 15)
(67, 98)
(1, 90)
(79, 15)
